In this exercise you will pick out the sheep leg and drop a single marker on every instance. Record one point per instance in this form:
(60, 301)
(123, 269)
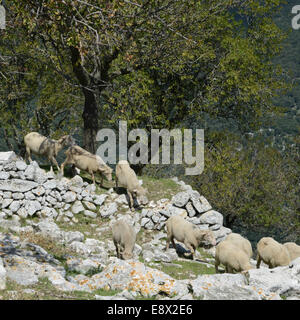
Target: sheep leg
(67, 161)
(229, 269)
(93, 177)
(130, 201)
(217, 263)
(169, 238)
(63, 167)
(190, 247)
(117, 250)
(53, 160)
(258, 258)
(28, 154)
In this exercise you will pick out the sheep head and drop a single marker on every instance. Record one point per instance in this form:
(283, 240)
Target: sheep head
(140, 193)
(206, 236)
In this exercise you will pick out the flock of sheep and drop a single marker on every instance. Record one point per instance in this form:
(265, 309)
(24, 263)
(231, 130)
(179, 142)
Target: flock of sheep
(86, 161)
(234, 252)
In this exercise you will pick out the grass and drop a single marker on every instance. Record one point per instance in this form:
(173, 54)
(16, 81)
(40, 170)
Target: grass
(44, 290)
(188, 269)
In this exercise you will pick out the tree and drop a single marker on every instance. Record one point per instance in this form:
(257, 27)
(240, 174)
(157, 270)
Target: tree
(33, 98)
(156, 62)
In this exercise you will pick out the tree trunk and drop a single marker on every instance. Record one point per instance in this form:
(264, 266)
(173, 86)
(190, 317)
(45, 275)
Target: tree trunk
(90, 111)
(90, 121)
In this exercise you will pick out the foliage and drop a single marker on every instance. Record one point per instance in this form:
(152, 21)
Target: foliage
(156, 62)
(33, 98)
(253, 183)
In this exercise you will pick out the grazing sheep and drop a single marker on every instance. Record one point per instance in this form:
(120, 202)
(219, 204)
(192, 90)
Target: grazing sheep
(84, 160)
(232, 256)
(272, 253)
(293, 249)
(240, 242)
(184, 231)
(124, 237)
(40, 145)
(126, 178)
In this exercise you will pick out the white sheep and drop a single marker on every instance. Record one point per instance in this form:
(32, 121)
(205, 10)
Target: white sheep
(232, 256)
(293, 249)
(126, 178)
(241, 242)
(124, 237)
(43, 146)
(272, 253)
(84, 160)
(184, 231)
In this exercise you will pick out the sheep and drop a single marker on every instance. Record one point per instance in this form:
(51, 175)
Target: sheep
(84, 160)
(272, 253)
(43, 146)
(124, 237)
(240, 242)
(126, 178)
(232, 256)
(184, 231)
(293, 249)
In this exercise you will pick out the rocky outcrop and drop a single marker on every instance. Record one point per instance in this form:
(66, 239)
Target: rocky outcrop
(89, 262)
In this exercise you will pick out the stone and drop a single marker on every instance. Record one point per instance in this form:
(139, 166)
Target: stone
(280, 280)
(63, 184)
(69, 196)
(135, 277)
(121, 199)
(29, 196)
(190, 209)
(76, 181)
(89, 205)
(10, 166)
(6, 203)
(83, 266)
(212, 217)
(109, 209)
(32, 206)
(149, 225)
(49, 229)
(90, 214)
(223, 287)
(51, 184)
(18, 196)
(52, 201)
(4, 175)
(180, 199)
(80, 248)
(21, 165)
(77, 207)
(15, 206)
(48, 212)
(155, 218)
(144, 221)
(71, 236)
(34, 172)
(7, 156)
(17, 185)
(99, 199)
(148, 255)
(22, 213)
(7, 195)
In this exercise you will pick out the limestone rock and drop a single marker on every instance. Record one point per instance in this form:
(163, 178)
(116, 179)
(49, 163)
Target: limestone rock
(180, 199)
